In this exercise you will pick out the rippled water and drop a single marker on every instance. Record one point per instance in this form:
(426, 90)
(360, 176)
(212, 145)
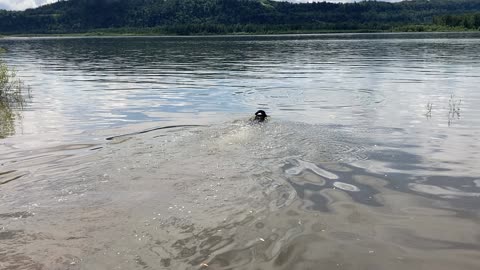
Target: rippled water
(369, 160)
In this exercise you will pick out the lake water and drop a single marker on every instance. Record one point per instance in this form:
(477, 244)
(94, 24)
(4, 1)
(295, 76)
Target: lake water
(369, 159)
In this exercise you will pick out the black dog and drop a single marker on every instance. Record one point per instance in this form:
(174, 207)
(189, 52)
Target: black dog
(260, 116)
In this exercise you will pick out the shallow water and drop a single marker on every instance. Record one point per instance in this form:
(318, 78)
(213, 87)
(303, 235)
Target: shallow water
(353, 171)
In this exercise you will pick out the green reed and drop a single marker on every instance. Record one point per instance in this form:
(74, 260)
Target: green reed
(13, 97)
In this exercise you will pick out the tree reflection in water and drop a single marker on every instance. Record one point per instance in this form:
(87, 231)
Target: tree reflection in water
(13, 97)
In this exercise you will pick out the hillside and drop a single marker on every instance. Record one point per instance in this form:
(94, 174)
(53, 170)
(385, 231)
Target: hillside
(226, 16)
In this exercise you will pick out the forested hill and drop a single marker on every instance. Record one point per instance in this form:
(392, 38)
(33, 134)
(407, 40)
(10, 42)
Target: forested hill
(226, 16)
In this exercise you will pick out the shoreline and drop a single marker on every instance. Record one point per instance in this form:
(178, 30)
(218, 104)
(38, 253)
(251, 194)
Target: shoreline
(243, 34)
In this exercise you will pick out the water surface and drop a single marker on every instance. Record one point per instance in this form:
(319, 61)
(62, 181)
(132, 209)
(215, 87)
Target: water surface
(369, 160)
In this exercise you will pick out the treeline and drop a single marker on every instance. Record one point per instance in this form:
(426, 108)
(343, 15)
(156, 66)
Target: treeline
(227, 16)
(465, 21)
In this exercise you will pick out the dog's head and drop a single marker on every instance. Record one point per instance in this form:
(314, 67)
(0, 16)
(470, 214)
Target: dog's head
(260, 116)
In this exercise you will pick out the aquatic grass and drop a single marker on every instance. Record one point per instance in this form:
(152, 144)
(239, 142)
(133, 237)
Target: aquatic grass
(429, 108)
(12, 89)
(454, 105)
(13, 96)
(453, 109)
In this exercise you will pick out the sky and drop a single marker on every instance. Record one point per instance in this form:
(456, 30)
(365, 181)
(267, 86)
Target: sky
(24, 4)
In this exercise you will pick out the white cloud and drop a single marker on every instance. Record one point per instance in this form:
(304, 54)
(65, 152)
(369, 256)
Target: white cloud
(24, 4)
(335, 1)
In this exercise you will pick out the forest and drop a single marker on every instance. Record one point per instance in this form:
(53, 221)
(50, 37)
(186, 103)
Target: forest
(186, 17)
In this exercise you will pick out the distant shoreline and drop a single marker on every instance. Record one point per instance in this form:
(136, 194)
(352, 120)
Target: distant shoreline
(229, 17)
(119, 33)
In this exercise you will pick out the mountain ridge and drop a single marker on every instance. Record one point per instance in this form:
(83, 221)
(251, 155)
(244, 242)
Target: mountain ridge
(226, 16)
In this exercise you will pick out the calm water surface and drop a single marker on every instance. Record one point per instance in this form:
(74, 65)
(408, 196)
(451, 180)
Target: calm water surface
(369, 160)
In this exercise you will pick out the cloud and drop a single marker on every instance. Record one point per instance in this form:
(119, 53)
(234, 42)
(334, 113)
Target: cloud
(335, 1)
(24, 4)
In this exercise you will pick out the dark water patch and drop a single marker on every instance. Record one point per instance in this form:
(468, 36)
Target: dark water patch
(411, 239)
(9, 234)
(27, 155)
(197, 248)
(22, 214)
(141, 263)
(341, 178)
(458, 191)
(397, 157)
(150, 130)
(464, 183)
(9, 176)
(15, 262)
(462, 192)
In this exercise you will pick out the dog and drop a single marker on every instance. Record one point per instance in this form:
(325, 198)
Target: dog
(260, 116)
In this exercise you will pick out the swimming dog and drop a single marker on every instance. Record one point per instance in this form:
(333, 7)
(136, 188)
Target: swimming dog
(260, 116)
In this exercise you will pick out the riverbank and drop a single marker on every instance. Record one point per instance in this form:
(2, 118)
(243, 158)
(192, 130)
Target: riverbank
(157, 32)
